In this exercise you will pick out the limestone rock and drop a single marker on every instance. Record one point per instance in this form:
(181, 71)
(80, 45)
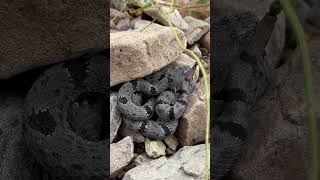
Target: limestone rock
(40, 33)
(187, 164)
(115, 116)
(155, 148)
(197, 28)
(121, 154)
(176, 18)
(135, 54)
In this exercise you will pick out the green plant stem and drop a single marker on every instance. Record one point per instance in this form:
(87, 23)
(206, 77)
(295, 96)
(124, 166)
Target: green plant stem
(305, 58)
(206, 85)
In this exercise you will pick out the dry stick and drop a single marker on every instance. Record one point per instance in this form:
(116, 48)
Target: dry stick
(305, 58)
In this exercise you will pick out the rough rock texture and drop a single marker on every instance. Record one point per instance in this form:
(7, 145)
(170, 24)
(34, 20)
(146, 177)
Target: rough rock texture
(197, 28)
(15, 162)
(192, 123)
(176, 19)
(171, 142)
(277, 145)
(36, 33)
(142, 159)
(121, 154)
(135, 54)
(205, 41)
(259, 8)
(115, 116)
(155, 148)
(187, 164)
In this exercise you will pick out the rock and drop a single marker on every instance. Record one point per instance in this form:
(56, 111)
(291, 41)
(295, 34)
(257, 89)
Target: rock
(172, 142)
(205, 41)
(144, 24)
(170, 152)
(39, 33)
(155, 148)
(201, 10)
(115, 116)
(15, 161)
(187, 164)
(136, 54)
(197, 28)
(137, 137)
(184, 59)
(142, 159)
(191, 127)
(123, 24)
(277, 40)
(195, 48)
(121, 154)
(176, 19)
(279, 126)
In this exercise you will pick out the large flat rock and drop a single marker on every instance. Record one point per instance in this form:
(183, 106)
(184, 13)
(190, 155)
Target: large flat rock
(37, 33)
(135, 54)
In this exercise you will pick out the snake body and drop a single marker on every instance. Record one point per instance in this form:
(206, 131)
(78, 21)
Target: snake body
(166, 91)
(240, 77)
(66, 119)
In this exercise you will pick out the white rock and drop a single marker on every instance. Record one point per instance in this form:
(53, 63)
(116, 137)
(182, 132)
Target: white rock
(155, 148)
(121, 154)
(137, 137)
(187, 164)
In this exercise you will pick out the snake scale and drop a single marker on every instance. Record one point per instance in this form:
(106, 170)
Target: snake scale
(166, 96)
(66, 128)
(240, 77)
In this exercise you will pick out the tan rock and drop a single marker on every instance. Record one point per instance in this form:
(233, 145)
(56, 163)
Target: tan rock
(155, 148)
(135, 54)
(205, 41)
(172, 142)
(191, 127)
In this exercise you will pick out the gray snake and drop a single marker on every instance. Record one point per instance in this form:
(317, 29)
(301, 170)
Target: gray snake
(66, 119)
(240, 77)
(166, 92)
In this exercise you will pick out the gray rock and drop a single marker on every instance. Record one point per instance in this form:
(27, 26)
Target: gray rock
(15, 161)
(121, 153)
(187, 164)
(176, 18)
(40, 33)
(115, 116)
(136, 54)
(155, 148)
(195, 48)
(197, 28)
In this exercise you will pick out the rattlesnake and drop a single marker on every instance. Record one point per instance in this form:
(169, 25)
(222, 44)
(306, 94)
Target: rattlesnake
(66, 119)
(167, 93)
(240, 76)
